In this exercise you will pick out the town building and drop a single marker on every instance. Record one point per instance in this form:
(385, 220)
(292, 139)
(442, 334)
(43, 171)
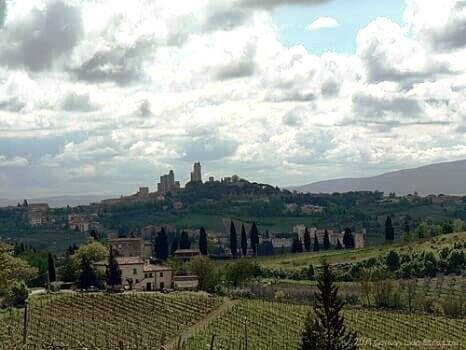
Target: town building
(78, 222)
(196, 175)
(143, 192)
(309, 209)
(168, 184)
(38, 214)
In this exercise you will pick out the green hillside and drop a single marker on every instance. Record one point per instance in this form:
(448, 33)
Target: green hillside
(295, 261)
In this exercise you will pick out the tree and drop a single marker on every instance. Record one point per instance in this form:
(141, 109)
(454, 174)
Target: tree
(204, 268)
(51, 268)
(203, 241)
(161, 245)
(297, 246)
(458, 225)
(93, 252)
(233, 240)
(392, 260)
(241, 271)
(19, 294)
(244, 241)
(94, 234)
(316, 243)
(174, 246)
(185, 242)
(68, 271)
(325, 329)
(307, 240)
(12, 268)
(326, 241)
(389, 230)
(88, 276)
(113, 272)
(254, 235)
(348, 239)
(407, 227)
(338, 246)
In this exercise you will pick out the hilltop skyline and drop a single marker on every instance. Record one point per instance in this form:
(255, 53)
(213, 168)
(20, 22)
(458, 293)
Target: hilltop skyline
(98, 97)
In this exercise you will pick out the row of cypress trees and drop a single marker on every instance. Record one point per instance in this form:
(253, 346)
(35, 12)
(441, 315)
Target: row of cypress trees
(253, 237)
(162, 250)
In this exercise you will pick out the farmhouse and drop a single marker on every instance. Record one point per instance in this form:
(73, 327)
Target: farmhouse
(128, 247)
(141, 275)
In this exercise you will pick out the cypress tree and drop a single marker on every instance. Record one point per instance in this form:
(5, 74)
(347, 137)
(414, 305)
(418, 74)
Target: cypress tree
(300, 246)
(162, 245)
(348, 239)
(87, 277)
(307, 240)
(244, 241)
(203, 241)
(297, 246)
(254, 235)
(113, 272)
(94, 234)
(389, 230)
(51, 268)
(185, 242)
(338, 246)
(326, 241)
(325, 329)
(233, 240)
(316, 243)
(174, 246)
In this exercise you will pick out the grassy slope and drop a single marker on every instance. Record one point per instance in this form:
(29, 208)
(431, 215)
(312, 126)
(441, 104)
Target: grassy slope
(291, 261)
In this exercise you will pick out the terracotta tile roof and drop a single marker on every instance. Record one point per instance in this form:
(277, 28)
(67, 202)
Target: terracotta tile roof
(155, 268)
(186, 278)
(131, 260)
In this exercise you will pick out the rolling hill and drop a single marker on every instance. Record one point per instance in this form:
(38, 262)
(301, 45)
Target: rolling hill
(441, 178)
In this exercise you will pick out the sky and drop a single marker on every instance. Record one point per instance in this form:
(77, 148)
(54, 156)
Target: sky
(103, 96)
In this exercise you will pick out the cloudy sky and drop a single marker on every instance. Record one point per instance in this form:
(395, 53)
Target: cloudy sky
(101, 96)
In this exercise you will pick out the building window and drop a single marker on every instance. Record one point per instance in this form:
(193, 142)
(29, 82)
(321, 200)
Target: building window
(135, 271)
(161, 274)
(150, 275)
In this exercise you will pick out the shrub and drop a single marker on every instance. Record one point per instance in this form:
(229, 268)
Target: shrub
(19, 294)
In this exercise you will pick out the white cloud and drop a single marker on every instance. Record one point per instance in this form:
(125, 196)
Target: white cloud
(136, 94)
(323, 23)
(15, 162)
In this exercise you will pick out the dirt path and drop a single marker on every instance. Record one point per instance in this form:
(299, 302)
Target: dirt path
(220, 311)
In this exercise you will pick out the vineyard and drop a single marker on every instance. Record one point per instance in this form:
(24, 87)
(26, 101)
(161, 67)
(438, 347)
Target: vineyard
(196, 321)
(265, 325)
(105, 321)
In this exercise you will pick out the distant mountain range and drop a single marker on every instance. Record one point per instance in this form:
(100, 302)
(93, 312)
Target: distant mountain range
(441, 178)
(58, 201)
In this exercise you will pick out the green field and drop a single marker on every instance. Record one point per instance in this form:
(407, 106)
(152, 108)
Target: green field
(41, 239)
(296, 261)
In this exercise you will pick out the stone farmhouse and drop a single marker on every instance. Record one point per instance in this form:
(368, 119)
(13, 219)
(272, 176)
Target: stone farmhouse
(140, 272)
(141, 275)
